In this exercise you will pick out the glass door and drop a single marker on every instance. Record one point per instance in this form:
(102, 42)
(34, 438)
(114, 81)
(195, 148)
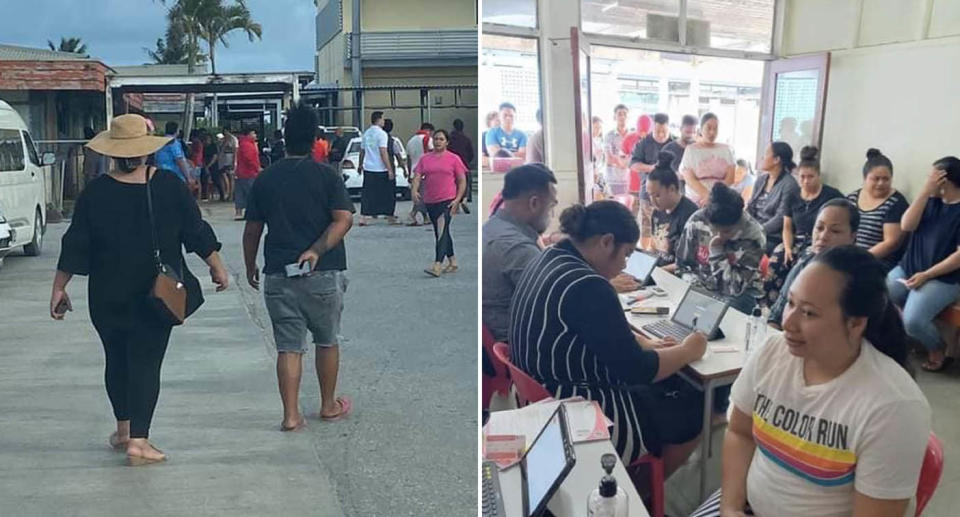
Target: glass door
(794, 97)
(581, 106)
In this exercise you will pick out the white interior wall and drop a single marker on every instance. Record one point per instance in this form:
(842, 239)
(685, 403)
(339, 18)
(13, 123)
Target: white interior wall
(894, 83)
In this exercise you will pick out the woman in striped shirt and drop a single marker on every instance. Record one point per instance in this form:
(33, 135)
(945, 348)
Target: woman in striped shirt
(881, 207)
(569, 332)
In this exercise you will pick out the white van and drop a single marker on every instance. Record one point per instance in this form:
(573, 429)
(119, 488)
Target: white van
(22, 189)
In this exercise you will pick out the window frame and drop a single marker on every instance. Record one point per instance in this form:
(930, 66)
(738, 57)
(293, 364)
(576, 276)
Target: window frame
(682, 48)
(32, 153)
(23, 157)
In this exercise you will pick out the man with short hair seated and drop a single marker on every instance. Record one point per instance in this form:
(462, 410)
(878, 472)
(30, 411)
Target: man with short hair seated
(510, 239)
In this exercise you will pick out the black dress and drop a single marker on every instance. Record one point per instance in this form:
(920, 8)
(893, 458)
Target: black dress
(109, 240)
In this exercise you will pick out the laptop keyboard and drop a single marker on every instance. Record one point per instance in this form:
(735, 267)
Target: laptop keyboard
(667, 328)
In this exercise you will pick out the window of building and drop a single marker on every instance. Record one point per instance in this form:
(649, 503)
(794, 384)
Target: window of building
(739, 25)
(509, 73)
(518, 13)
(649, 82)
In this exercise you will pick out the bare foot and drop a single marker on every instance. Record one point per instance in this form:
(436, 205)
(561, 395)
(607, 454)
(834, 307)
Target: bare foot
(142, 452)
(119, 442)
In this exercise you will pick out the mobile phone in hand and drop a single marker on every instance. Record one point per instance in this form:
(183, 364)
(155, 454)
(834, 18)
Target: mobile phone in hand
(295, 270)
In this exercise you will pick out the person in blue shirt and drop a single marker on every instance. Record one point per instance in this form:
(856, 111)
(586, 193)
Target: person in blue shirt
(506, 137)
(171, 158)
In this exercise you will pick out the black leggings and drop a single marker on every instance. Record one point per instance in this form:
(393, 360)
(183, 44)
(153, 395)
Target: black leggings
(134, 350)
(444, 246)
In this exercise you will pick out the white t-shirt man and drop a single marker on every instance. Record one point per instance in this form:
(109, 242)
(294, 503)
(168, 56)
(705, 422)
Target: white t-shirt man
(863, 431)
(374, 139)
(415, 148)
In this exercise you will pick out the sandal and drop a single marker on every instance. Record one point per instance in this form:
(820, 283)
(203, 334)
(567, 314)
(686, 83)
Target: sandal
(139, 461)
(346, 405)
(450, 268)
(300, 425)
(936, 367)
(433, 271)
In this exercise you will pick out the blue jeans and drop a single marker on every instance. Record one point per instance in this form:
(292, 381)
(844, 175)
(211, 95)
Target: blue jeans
(921, 306)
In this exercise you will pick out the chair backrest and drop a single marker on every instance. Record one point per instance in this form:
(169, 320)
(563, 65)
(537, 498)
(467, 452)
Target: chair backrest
(499, 368)
(528, 389)
(930, 473)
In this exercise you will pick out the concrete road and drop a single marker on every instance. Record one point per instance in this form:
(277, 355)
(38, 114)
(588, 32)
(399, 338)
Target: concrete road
(409, 362)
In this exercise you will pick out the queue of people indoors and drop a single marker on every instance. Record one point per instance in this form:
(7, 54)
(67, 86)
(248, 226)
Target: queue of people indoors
(854, 282)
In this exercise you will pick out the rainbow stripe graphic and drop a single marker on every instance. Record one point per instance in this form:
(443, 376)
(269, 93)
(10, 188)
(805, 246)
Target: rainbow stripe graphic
(823, 466)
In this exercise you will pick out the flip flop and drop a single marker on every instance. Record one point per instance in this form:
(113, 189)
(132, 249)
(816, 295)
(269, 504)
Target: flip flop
(346, 405)
(300, 425)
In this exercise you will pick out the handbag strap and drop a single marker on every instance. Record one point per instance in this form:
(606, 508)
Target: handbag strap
(153, 229)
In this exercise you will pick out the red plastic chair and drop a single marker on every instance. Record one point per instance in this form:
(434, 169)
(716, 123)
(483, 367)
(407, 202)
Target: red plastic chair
(500, 382)
(528, 389)
(657, 479)
(930, 473)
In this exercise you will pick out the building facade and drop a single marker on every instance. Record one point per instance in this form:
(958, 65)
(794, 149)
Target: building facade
(421, 47)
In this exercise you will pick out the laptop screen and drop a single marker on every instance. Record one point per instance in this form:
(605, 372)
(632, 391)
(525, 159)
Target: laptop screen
(700, 308)
(545, 461)
(640, 265)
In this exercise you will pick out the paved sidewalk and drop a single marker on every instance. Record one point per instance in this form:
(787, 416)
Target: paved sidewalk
(409, 363)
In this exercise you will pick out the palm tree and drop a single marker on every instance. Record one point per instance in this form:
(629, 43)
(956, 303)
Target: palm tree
(218, 20)
(211, 21)
(172, 49)
(72, 45)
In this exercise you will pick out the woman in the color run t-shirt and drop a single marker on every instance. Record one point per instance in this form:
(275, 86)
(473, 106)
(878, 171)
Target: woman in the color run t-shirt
(706, 162)
(443, 176)
(826, 420)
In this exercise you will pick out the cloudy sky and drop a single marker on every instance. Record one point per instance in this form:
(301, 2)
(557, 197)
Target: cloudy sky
(116, 31)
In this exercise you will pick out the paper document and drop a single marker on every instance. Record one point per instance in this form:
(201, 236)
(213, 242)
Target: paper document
(586, 419)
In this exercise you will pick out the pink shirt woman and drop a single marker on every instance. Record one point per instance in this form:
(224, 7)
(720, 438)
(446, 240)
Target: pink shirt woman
(443, 175)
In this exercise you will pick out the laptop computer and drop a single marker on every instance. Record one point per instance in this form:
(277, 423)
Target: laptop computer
(546, 464)
(640, 265)
(697, 311)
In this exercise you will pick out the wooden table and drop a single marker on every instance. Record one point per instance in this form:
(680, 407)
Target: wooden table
(714, 369)
(570, 500)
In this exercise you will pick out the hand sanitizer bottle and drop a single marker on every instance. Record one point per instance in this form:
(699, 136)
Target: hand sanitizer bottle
(608, 500)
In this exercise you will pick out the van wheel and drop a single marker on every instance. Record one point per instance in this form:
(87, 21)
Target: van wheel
(36, 245)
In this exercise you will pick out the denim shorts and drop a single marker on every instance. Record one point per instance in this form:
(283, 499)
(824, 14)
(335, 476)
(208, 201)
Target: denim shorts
(300, 304)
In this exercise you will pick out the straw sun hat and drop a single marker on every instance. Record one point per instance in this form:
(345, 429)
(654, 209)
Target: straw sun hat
(127, 138)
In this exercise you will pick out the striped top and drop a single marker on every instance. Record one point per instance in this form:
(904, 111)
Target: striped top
(569, 332)
(870, 232)
(865, 431)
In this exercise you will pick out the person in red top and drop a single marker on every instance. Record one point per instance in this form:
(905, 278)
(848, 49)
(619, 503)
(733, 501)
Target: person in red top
(321, 149)
(248, 167)
(443, 175)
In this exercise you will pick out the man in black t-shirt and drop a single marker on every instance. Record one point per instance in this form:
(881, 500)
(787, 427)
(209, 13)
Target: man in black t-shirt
(307, 212)
(670, 214)
(642, 161)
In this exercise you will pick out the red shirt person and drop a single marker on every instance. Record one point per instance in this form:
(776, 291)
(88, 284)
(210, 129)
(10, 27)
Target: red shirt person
(248, 167)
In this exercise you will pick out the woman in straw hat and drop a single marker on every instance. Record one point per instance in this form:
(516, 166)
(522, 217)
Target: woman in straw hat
(110, 239)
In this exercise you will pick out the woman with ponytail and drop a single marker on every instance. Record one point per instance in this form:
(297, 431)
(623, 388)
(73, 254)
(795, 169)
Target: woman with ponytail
(768, 203)
(826, 420)
(582, 344)
(671, 210)
(881, 207)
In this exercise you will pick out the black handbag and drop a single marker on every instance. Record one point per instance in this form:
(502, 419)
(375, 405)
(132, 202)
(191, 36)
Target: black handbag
(168, 296)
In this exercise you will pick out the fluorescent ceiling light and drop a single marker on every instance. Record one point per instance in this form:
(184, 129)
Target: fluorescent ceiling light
(609, 6)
